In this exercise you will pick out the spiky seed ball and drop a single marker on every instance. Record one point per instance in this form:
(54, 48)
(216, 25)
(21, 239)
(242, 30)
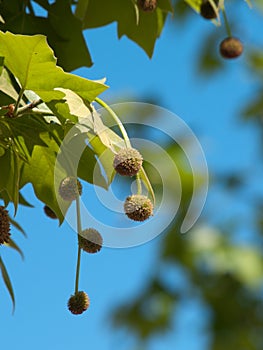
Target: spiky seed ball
(231, 47)
(78, 303)
(90, 241)
(138, 207)
(147, 5)
(69, 188)
(127, 162)
(207, 11)
(49, 212)
(4, 226)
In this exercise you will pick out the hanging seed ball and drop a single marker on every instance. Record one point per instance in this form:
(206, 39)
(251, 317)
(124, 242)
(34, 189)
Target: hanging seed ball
(78, 303)
(147, 5)
(138, 207)
(207, 11)
(90, 241)
(4, 226)
(127, 162)
(49, 212)
(231, 47)
(69, 188)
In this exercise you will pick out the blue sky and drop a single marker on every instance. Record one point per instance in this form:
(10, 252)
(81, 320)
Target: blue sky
(45, 280)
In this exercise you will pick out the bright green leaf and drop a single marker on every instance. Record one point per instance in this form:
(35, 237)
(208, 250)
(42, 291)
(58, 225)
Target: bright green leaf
(36, 69)
(39, 171)
(6, 86)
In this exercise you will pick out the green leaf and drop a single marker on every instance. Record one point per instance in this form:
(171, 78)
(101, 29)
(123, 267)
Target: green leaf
(142, 28)
(81, 9)
(13, 245)
(195, 4)
(71, 49)
(82, 157)
(7, 282)
(40, 172)
(10, 167)
(69, 46)
(36, 69)
(105, 158)
(43, 3)
(71, 108)
(27, 129)
(1, 64)
(6, 86)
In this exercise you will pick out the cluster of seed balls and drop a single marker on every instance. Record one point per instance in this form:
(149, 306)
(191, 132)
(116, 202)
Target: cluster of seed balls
(230, 47)
(89, 240)
(128, 162)
(4, 226)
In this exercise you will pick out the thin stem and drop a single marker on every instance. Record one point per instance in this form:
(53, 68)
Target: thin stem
(117, 120)
(139, 184)
(77, 271)
(79, 249)
(228, 29)
(28, 107)
(21, 93)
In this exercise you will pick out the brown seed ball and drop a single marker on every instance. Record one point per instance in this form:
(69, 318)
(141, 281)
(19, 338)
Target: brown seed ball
(207, 11)
(78, 303)
(138, 207)
(49, 212)
(231, 47)
(147, 5)
(70, 188)
(127, 162)
(90, 241)
(4, 226)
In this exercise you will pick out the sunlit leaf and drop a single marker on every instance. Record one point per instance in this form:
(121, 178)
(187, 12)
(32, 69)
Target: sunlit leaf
(38, 57)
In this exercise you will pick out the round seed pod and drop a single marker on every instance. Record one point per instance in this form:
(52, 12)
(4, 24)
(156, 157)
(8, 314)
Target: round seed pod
(78, 303)
(70, 188)
(4, 226)
(207, 11)
(138, 207)
(49, 212)
(231, 48)
(127, 162)
(147, 5)
(90, 241)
